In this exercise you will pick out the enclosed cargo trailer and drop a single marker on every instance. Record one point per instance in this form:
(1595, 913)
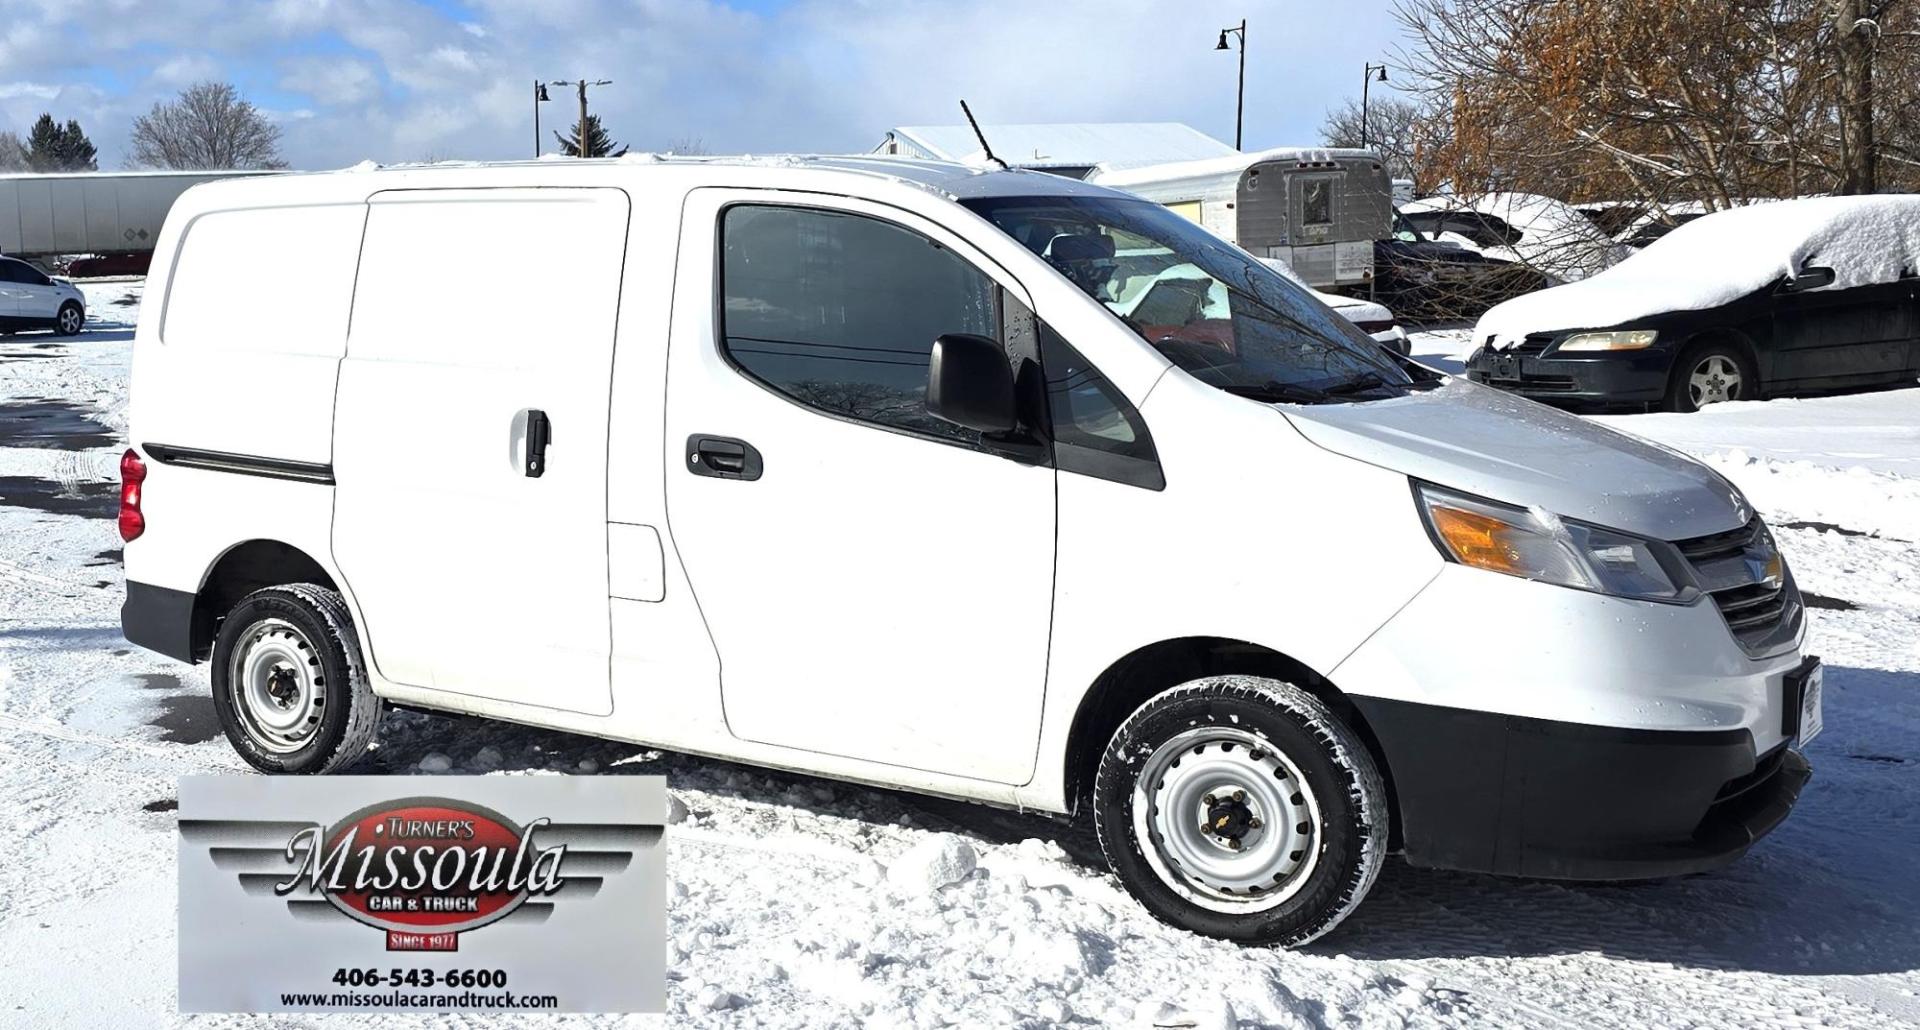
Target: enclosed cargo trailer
(1318, 209)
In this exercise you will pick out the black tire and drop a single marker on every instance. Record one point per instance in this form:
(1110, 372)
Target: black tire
(1680, 393)
(1335, 870)
(70, 314)
(310, 621)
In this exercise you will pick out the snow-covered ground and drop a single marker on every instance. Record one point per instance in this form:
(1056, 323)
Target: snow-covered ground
(801, 902)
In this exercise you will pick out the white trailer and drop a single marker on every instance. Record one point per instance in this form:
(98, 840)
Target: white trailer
(105, 213)
(1317, 209)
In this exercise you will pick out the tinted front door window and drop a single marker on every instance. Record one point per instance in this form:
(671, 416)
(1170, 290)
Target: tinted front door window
(840, 311)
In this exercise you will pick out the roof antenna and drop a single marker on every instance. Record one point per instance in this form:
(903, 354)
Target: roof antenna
(981, 136)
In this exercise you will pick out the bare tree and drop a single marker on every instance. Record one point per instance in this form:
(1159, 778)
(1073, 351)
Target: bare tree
(13, 152)
(209, 126)
(688, 146)
(1394, 129)
(1857, 33)
(1709, 102)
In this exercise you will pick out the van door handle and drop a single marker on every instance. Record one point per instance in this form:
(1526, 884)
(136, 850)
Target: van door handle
(539, 434)
(722, 457)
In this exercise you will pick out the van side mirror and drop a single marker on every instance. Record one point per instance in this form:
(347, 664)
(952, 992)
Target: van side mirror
(970, 384)
(1811, 277)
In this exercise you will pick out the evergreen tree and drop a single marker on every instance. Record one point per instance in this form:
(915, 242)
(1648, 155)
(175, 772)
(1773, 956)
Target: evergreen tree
(53, 148)
(599, 144)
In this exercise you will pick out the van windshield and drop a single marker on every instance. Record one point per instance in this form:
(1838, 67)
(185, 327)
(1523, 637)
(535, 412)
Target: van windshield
(1210, 307)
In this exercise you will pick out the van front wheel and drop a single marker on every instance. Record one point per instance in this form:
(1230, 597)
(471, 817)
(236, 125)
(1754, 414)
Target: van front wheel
(288, 682)
(1243, 808)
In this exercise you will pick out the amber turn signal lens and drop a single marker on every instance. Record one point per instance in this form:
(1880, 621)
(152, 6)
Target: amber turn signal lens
(1477, 540)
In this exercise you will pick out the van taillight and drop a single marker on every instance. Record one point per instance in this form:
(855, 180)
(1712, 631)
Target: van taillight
(133, 472)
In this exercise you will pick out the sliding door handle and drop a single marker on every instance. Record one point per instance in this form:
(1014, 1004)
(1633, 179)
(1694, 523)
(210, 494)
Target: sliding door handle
(539, 434)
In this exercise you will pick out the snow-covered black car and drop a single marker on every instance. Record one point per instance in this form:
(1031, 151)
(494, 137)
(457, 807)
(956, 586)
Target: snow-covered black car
(1800, 295)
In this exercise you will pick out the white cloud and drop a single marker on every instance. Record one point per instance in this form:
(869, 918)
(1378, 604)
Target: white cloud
(37, 90)
(185, 70)
(330, 81)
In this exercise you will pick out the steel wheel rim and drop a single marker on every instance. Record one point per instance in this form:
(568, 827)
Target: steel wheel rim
(70, 321)
(275, 683)
(1715, 379)
(1179, 797)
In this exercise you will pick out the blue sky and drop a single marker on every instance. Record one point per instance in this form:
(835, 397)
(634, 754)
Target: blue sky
(401, 80)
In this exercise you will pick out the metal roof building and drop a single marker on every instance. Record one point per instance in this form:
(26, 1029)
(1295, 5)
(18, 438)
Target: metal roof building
(1071, 149)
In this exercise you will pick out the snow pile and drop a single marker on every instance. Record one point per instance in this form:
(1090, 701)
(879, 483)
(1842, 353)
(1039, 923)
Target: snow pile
(1725, 256)
(1855, 499)
(941, 860)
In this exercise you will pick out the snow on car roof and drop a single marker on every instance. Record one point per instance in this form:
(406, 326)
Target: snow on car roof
(1722, 257)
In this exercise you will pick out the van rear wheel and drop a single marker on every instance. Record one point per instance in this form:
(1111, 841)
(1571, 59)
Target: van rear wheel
(289, 684)
(1243, 808)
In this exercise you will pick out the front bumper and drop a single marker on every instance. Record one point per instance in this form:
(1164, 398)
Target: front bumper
(1604, 378)
(1559, 800)
(1534, 730)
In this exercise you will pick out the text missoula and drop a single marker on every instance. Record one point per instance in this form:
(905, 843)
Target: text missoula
(410, 868)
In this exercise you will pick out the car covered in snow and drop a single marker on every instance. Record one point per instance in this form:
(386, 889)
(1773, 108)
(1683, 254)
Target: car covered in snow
(988, 484)
(1544, 234)
(32, 299)
(1792, 296)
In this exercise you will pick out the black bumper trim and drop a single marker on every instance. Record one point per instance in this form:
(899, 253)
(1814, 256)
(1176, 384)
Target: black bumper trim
(243, 464)
(159, 619)
(1528, 797)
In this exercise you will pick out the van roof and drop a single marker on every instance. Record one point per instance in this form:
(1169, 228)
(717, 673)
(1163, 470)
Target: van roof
(955, 181)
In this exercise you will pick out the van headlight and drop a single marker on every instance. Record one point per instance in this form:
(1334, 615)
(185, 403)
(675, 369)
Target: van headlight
(1634, 339)
(1539, 545)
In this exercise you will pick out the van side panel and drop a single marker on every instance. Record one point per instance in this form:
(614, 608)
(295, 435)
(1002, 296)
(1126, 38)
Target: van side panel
(666, 673)
(473, 571)
(236, 353)
(253, 326)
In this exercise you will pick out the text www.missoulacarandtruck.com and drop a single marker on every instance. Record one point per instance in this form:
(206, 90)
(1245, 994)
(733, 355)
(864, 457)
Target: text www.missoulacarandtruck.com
(406, 1000)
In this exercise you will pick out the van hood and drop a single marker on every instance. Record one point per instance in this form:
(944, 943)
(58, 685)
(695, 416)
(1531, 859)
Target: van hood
(1481, 441)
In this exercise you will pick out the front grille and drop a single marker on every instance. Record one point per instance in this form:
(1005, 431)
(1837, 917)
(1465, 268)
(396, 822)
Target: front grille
(1720, 545)
(1755, 607)
(1731, 568)
(1533, 346)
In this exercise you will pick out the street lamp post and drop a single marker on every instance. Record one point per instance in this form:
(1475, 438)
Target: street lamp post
(1240, 107)
(1367, 80)
(539, 97)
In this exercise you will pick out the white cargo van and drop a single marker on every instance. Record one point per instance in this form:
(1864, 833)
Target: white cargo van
(864, 467)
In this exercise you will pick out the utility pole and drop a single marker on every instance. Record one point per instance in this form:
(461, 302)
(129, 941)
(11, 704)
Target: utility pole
(581, 85)
(1240, 108)
(1367, 80)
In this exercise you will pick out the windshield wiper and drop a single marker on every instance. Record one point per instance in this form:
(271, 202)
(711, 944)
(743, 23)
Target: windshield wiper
(1278, 392)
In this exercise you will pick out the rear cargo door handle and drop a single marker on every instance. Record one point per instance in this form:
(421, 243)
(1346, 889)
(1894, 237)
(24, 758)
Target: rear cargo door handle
(539, 434)
(722, 457)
